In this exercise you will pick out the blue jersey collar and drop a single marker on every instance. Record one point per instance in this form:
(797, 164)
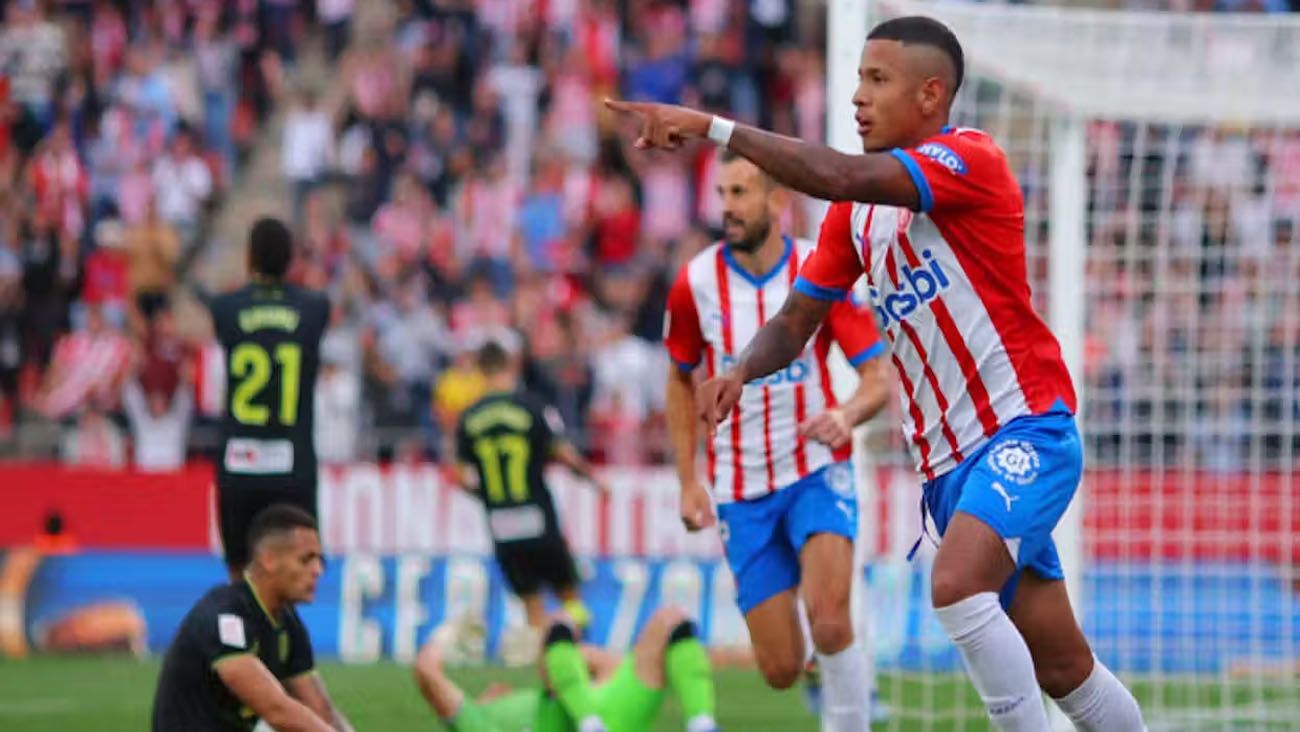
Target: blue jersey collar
(763, 279)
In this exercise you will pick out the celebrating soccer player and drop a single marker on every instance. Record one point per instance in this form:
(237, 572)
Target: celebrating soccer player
(934, 217)
(271, 333)
(778, 467)
(242, 653)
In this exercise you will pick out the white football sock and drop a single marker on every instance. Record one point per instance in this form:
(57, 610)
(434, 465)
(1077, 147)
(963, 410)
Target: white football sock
(846, 689)
(997, 661)
(1102, 704)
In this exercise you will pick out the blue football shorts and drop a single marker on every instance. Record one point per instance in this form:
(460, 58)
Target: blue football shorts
(763, 536)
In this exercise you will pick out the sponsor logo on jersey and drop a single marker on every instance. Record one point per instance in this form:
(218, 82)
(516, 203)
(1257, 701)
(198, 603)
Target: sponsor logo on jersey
(259, 457)
(916, 287)
(1014, 460)
(516, 523)
(943, 155)
(797, 372)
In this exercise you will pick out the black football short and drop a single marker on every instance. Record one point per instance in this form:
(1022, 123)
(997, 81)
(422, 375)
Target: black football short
(239, 499)
(531, 565)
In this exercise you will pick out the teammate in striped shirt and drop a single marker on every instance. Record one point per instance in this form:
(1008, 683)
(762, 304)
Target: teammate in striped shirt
(778, 466)
(935, 218)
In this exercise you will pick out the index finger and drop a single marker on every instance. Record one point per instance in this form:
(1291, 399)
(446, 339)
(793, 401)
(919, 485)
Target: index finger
(620, 105)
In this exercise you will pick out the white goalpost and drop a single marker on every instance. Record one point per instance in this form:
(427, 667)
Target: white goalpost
(1159, 154)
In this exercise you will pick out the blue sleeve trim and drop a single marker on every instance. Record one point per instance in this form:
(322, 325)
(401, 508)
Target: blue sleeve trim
(684, 367)
(868, 353)
(918, 179)
(814, 290)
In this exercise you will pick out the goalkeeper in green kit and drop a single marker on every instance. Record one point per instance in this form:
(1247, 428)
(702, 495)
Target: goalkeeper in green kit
(585, 688)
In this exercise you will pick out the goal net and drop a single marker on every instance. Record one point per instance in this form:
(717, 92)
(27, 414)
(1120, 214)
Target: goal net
(1159, 155)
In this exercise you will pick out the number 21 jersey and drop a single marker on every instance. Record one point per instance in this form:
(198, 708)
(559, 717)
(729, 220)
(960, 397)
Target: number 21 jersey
(271, 337)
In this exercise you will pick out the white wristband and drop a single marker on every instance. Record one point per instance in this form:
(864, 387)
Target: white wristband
(720, 129)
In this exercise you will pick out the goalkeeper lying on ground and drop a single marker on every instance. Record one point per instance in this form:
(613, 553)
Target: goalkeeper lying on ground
(585, 688)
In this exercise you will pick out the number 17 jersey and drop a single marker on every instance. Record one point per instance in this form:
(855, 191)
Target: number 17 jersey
(508, 439)
(271, 336)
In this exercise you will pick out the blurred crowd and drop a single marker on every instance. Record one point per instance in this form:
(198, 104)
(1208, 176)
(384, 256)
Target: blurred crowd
(1193, 297)
(453, 176)
(459, 178)
(450, 173)
(121, 126)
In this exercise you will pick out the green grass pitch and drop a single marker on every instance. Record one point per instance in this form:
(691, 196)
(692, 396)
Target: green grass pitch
(113, 694)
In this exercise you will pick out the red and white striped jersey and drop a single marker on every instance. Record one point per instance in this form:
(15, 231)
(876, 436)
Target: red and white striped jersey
(714, 309)
(89, 366)
(950, 288)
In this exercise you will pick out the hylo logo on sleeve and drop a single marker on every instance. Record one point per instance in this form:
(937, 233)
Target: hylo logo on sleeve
(943, 155)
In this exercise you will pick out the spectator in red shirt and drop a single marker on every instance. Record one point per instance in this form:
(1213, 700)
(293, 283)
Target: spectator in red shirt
(616, 220)
(105, 272)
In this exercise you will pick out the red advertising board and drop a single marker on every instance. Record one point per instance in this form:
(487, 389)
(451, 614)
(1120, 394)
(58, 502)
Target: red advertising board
(364, 508)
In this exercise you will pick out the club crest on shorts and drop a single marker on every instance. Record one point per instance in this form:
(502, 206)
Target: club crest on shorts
(839, 476)
(724, 531)
(1015, 460)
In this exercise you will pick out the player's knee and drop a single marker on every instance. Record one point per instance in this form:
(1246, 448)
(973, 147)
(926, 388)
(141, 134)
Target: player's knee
(832, 634)
(780, 672)
(667, 618)
(1063, 673)
(949, 588)
(829, 618)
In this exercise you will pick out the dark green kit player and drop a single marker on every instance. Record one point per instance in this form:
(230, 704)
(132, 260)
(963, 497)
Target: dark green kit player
(271, 334)
(242, 653)
(584, 688)
(504, 442)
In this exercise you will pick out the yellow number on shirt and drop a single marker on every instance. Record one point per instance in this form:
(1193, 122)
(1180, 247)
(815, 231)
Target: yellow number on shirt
(252, 364)
(513, 450)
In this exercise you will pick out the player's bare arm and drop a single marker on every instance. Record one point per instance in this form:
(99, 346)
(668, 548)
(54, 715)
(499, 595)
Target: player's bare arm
(679, 410)
(567, 455)
(467, 477)
(439, 691)
(834, 427)
(250, 681)
(309, 688)
(777, 343)
(816, 170)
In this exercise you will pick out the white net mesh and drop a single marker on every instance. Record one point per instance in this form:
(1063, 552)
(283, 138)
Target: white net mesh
(1191, 535)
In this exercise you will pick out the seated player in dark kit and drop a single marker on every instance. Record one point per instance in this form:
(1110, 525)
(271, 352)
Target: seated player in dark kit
(242, 653)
